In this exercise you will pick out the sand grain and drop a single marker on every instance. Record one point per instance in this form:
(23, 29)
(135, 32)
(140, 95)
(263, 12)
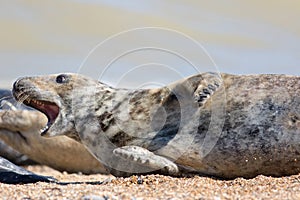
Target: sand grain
(78, 186)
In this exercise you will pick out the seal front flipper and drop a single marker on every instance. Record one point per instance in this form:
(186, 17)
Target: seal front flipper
(147, 159)
(19, 120)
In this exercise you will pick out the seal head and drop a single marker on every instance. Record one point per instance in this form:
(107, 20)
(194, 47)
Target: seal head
(56, 96)
(46, 96)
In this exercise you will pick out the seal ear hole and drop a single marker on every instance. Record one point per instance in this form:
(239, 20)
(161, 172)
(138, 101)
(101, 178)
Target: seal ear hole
(62, 78)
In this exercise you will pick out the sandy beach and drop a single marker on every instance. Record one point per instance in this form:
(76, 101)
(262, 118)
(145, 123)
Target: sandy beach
(100, 187)
(132, 44)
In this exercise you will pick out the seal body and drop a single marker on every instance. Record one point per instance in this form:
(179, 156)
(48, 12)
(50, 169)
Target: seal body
(20, 129)
(6, 151)
(221, 125)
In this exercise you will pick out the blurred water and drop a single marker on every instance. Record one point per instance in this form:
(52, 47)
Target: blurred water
(242, 37)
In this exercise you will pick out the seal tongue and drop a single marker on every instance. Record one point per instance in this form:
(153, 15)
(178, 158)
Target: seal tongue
(51, 110)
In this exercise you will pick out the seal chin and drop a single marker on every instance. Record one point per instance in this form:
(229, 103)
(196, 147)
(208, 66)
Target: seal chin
(50, 109)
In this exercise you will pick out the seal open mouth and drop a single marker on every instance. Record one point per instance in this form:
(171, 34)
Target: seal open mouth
(50, 109)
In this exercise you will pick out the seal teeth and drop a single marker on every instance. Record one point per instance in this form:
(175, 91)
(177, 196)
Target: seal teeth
(28, 101)
(36, 102)
(43, 130)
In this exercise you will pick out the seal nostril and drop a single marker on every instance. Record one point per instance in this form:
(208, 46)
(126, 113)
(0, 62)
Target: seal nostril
(16, 84)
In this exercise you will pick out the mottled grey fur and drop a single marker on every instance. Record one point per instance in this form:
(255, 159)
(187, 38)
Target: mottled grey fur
(227, 126)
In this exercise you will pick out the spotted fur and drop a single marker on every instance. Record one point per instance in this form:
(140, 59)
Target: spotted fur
(222, 125)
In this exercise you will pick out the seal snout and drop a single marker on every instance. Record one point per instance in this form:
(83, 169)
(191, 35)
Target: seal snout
(21, 87)
(20, 84)
(17, 84)
(17, 87)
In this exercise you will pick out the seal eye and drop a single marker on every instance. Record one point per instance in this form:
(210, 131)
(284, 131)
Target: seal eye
(63, 78)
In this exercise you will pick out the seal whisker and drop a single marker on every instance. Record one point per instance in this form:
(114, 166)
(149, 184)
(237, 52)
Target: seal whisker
(5, 98)
(23, 91)
(21, 98)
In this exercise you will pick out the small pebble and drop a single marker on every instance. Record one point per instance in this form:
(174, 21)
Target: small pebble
(140, 180)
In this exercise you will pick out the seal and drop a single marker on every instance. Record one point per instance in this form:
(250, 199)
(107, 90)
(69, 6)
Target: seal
(13, 174)
(14, 156)
(223, 125)
(6, 151)
(20, 129)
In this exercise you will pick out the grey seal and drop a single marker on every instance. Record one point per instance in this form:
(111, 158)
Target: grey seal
(213, 124)
(6, 151)
(13, 174)
(20, 129)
